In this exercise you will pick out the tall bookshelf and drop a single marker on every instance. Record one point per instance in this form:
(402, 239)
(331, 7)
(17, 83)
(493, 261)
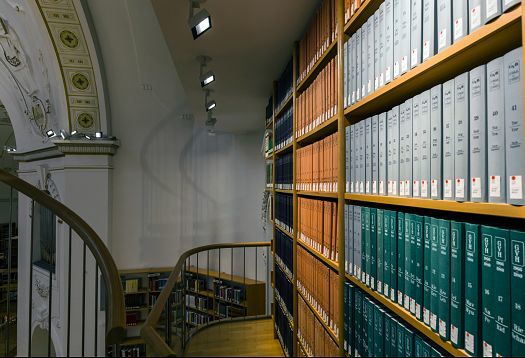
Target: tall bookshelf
(489, 41)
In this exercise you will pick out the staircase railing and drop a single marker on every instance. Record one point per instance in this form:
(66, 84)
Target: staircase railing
(88, 316)
(200, 292)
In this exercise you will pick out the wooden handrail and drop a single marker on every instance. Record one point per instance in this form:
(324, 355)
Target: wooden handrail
(148, 332)
(115, 331)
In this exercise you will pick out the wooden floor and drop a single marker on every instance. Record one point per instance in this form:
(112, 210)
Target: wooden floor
(250, 338)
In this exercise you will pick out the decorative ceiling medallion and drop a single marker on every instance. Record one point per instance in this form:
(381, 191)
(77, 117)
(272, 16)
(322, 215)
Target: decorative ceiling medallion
(69, 39)
(85, 120)
(80, 81)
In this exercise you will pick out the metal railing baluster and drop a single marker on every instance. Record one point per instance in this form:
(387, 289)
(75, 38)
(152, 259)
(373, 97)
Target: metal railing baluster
(83, 297)
(96, 310)
(50, 301)
(69, 294)
(30, 315)
(9, 263)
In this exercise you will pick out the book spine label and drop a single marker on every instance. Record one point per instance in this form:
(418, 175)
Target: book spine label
(502, 290)
(400, 258)
(436, 142)
(427, 270)
(472, 289)
(380, 71)
(487, 290)
(514, 134)
(382, 154)
(368, 154)
(461, 132)
(408, 148)
(517, 298)
(478, 138)
(444, 24)
(416, 162)
(397, 38)
(444, 278)
(459, 19)
(448, 140)
(476, 14)
(496, 132)
(425, 146)
(416, 27)
(508, 4)
(492, 9)
(389, 40)
(405, 36)
(375, 154)
(457, 283)
(429, 29)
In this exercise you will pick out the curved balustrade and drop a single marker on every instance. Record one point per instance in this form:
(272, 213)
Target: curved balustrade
(199, 288)
(62, 255)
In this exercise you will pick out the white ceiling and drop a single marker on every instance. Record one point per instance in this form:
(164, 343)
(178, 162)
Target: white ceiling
(250, 43)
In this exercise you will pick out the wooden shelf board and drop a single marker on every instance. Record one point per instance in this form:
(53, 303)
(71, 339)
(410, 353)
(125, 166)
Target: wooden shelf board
(284, 191)
(201, 293)
(131, 341)
(284, 309)
(223, 276)
(320, 194)
(269, 125)
(489, 209)
(139, 292)
(283, 270)
(362, 14)
(289, 234)
(286, 103)
(285, 149)
(484, 44)
(332, 264)
(330, 52)
(327, 127)
(409, 318)
(319, 318)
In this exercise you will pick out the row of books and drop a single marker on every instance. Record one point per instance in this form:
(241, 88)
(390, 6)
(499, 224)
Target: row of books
(462, 140)
(464, 280)
(320, 34)
(351, 6)
(284, 290)
(269, 174)
(284, 211)
(157, 281)
(197, 302)
(284, 331)
(317, 221)
(284, 171)
(284, 129)
(228, 293)
(317, 165)
(131, 285)
(226, 310)
(284, 250)
(268, 143)
(313, 336)
(320, 286)
(318, 102)
(134, 301)
(284, 86)
(402, 34)
(269, 111)
(132, 351)
(193, 283)
(196, 318)
(371, 331)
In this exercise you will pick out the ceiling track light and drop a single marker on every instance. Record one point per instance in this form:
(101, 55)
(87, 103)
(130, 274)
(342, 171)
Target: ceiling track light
(51, 133)
(209, 104)
(206, 77)
(200, 22)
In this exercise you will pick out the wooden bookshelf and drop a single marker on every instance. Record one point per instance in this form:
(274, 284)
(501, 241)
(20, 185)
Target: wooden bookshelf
(364, 11)
(327, 55)
(332, 264)
(324, 129)
(318, 194)
(468, 207)
(290, 235)
(408, 318)
(486, 43)
(285, 149)
(284, 191)
(319, 318)
(284, 106)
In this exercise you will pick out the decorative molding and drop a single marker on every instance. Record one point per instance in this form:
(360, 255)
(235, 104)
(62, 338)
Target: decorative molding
(76, 63)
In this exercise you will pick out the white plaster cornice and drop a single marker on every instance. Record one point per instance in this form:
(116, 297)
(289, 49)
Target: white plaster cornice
(70, 147)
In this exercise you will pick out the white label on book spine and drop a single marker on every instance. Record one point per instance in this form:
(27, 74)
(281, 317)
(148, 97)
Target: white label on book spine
(476, 188)
(492, 7)
(448, 188)
(402, 188)
(433, 188)
(454, 334)
(396, 68)
(487, 349)
(442, 38)
(374, 187)
(381, 187)
(515, 185)
(416, 188)
(475, 17)
(404, 64)
(426, 50)
(460, 188)
(413, 59)
(426, 316)
(424, 188)
(442, 328)
(388, 74)
(495, 186)
(458, 28)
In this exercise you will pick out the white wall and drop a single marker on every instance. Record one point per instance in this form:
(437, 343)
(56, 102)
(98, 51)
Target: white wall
(174, 186)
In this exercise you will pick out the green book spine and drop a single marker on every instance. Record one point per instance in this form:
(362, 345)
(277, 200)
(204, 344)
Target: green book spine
(346, 315)
(373, 248)
(408, 257)
(502, 340)
(387, 344)
(487, 289)
(393, 337)
(444, 278)
(426, 349)
(427, 270)
(409, 342)
(379, 344)
(364, 327)
(393, 255)
(413, 263)
(400, 340)
(386, 253)
(371, 307)
(435, 353)
(472, 289)
(365, 238)
(400, 257)
(418, 299)
(517, 297)
(350, 319)
(457, 282)
(434, 277)
(358, 348)
(418, 346)
(379, 261)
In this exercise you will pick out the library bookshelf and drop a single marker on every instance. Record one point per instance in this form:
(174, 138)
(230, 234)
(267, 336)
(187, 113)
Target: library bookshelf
(486, 43)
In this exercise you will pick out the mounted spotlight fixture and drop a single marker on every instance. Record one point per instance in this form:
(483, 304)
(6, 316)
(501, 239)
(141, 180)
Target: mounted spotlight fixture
(209, 104)
(51, 133)
(206, 77)
(200, 22)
